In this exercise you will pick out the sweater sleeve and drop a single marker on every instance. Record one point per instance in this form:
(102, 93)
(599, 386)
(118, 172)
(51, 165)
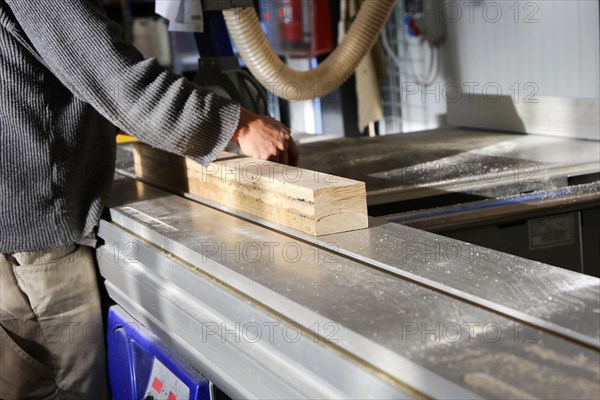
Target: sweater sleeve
(81, 47)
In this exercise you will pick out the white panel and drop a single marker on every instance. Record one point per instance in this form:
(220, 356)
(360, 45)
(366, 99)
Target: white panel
(553, 44)
(589, 14)
(554, 116)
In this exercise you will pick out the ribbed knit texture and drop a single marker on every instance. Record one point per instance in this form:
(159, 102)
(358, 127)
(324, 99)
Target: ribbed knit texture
(66, 81)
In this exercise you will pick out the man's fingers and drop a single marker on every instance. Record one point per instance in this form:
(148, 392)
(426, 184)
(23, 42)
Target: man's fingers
(292, 153)
(267, 139)
(282, 142)
(281, 146)
(283, 157)
(274, 158)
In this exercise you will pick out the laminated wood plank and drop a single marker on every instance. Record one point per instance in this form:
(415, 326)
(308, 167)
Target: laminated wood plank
(308, 201)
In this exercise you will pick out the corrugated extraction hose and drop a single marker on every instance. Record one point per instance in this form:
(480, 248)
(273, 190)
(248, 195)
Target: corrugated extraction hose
(245, 30)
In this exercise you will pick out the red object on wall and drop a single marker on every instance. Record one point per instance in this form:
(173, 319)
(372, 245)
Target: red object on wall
(291, 21)
(298, 28)
(323, 38)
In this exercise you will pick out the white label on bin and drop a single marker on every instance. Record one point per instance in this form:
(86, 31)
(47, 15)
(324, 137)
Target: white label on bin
(551, 231)
(165, 385)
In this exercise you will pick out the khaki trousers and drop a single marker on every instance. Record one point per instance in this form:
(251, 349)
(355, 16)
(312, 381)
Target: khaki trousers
(51, 333)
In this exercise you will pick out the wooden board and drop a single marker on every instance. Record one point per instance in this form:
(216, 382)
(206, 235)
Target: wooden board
(308, 201)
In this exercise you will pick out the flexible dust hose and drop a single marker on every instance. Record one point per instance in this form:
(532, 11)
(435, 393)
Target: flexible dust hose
(266, 66)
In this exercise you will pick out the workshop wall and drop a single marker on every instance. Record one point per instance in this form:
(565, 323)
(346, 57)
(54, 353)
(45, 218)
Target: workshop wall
(519, 49)
(552, 44)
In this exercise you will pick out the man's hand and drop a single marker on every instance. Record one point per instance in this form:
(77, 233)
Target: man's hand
(265, 138)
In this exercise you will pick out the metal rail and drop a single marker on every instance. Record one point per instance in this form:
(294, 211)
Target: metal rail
(503, 210)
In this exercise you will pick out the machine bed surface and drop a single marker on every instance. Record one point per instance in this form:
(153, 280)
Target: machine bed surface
(376, 286)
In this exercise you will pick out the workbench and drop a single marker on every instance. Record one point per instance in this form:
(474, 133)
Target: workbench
(447, 165)
(385, 312)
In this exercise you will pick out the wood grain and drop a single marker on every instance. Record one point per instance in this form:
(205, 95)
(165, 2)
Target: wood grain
(308, 201)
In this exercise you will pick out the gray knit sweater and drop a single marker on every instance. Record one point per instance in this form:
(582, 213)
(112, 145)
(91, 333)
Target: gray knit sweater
(66, 81)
